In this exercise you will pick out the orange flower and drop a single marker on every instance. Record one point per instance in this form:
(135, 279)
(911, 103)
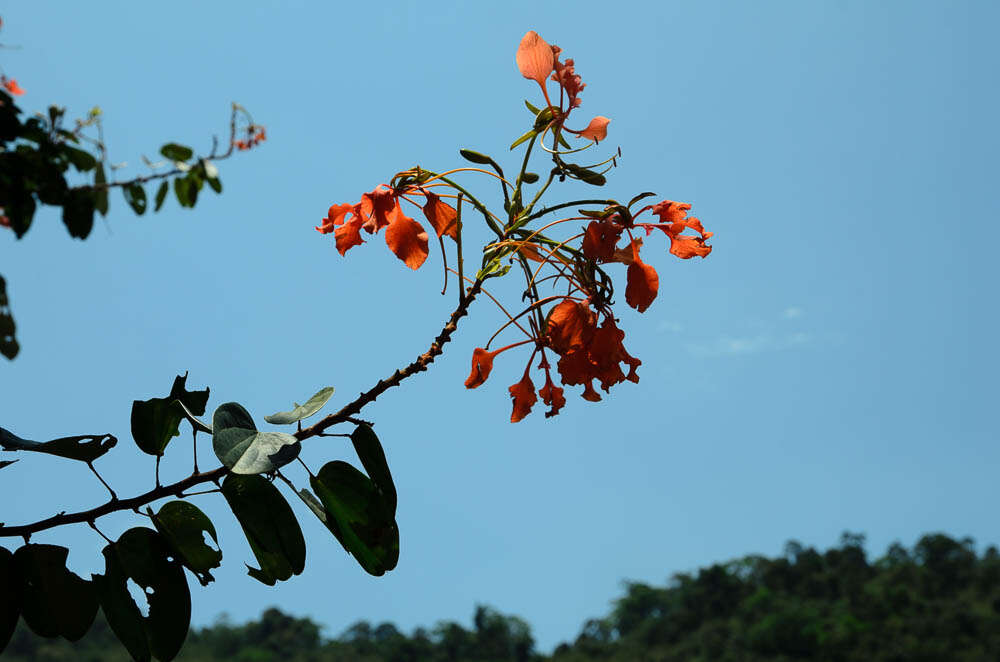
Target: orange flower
(442, 216)
(597, 129)
(600, 239)
(570, 326)
(378, 209)
(10, 84)
(482, 365)
(535, 58)
(552, 395)
(673, 222)
(523, 395)
(569, 80)
(643, 283)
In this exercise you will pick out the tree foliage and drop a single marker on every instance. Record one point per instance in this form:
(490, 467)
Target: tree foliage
(939, 600)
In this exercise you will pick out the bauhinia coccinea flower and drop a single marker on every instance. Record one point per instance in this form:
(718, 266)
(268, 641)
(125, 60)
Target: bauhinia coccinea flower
(574, 329)
(380, 209)
(10, 84)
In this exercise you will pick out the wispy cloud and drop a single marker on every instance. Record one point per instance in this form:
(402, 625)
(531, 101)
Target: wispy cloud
(781, 333)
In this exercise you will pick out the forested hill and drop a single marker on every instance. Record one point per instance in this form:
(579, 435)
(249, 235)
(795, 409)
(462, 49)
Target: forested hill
(938, 601)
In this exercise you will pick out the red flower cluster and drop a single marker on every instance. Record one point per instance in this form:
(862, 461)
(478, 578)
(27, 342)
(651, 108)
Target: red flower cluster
(255, 135)
(587, 352)
(380, 209)
(602, 236)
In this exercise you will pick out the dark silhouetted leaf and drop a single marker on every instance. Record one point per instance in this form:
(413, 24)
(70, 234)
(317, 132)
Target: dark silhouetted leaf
(8, 342)
(184, 525)
(10, 596)
(78, 213)
(100, 193)
(215, 183)
(55, 602)
(86, 447)
(161, 195)
(358, 516)
(312, 405)
(372, 457)
(530, 177)
(120, 610)
(243, 449)
(176, 152)
(135, 196)
(81, 160)
(639, 197)
(144, 556)
(6, 463)
(270, 527)
(585, 175)
(155, 422)
(181, 191)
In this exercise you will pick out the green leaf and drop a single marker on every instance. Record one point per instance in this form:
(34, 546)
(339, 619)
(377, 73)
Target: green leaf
(55, 602)
(475, 157)
(78, 212)
(312, 405)
(372, 456)
(270, 527)
(181, 191)
(161, 194)
(527, 136)
(183, 525)
(215, 183)
(176, 152)
(135, 196)
(198, 424)
(243, 449)
(81, 160)
(85, 447)
(194, 185)
(144, 556)
(155, 421)
(358, 516)
(100, 193)
(531, 107)
(6, 463)
(530, 177)
(10, 596)
(639, 197)
(313, 503)
(585, 175)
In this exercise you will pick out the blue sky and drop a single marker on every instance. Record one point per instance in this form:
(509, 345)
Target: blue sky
(830, 366)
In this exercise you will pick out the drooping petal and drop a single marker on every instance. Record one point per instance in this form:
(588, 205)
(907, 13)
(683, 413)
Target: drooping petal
(335, 217)
(643, 283)
(686, 247)
(406, 238)
(482, 364)
(570, 325)
(348, 235)
(442, 216)
(535, 59)
(600, 238)
(523, 395)
(597, 129)
(530, 251)
(552, 396)
(670, 211)
(606, 353)
(590, 394)
(628, 254)
(376, 207)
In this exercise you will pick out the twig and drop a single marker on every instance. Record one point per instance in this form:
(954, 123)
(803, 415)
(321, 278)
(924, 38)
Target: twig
(114, 497)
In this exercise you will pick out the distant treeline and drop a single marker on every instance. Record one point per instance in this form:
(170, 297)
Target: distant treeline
(938, 601)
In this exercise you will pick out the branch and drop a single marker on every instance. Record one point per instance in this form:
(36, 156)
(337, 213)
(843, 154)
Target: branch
(346, 414)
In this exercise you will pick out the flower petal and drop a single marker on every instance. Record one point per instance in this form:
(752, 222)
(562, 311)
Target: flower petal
(406, 238)
(534, 58)
(442, 216)
(335, 217)
(523, 395)
(553, 396)
(570, 325)
(482, 364)
(376, 207)
(643, 283)
(597, 129)
(348, 235)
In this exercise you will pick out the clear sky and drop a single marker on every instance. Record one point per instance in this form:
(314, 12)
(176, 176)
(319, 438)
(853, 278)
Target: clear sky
(832, 365)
